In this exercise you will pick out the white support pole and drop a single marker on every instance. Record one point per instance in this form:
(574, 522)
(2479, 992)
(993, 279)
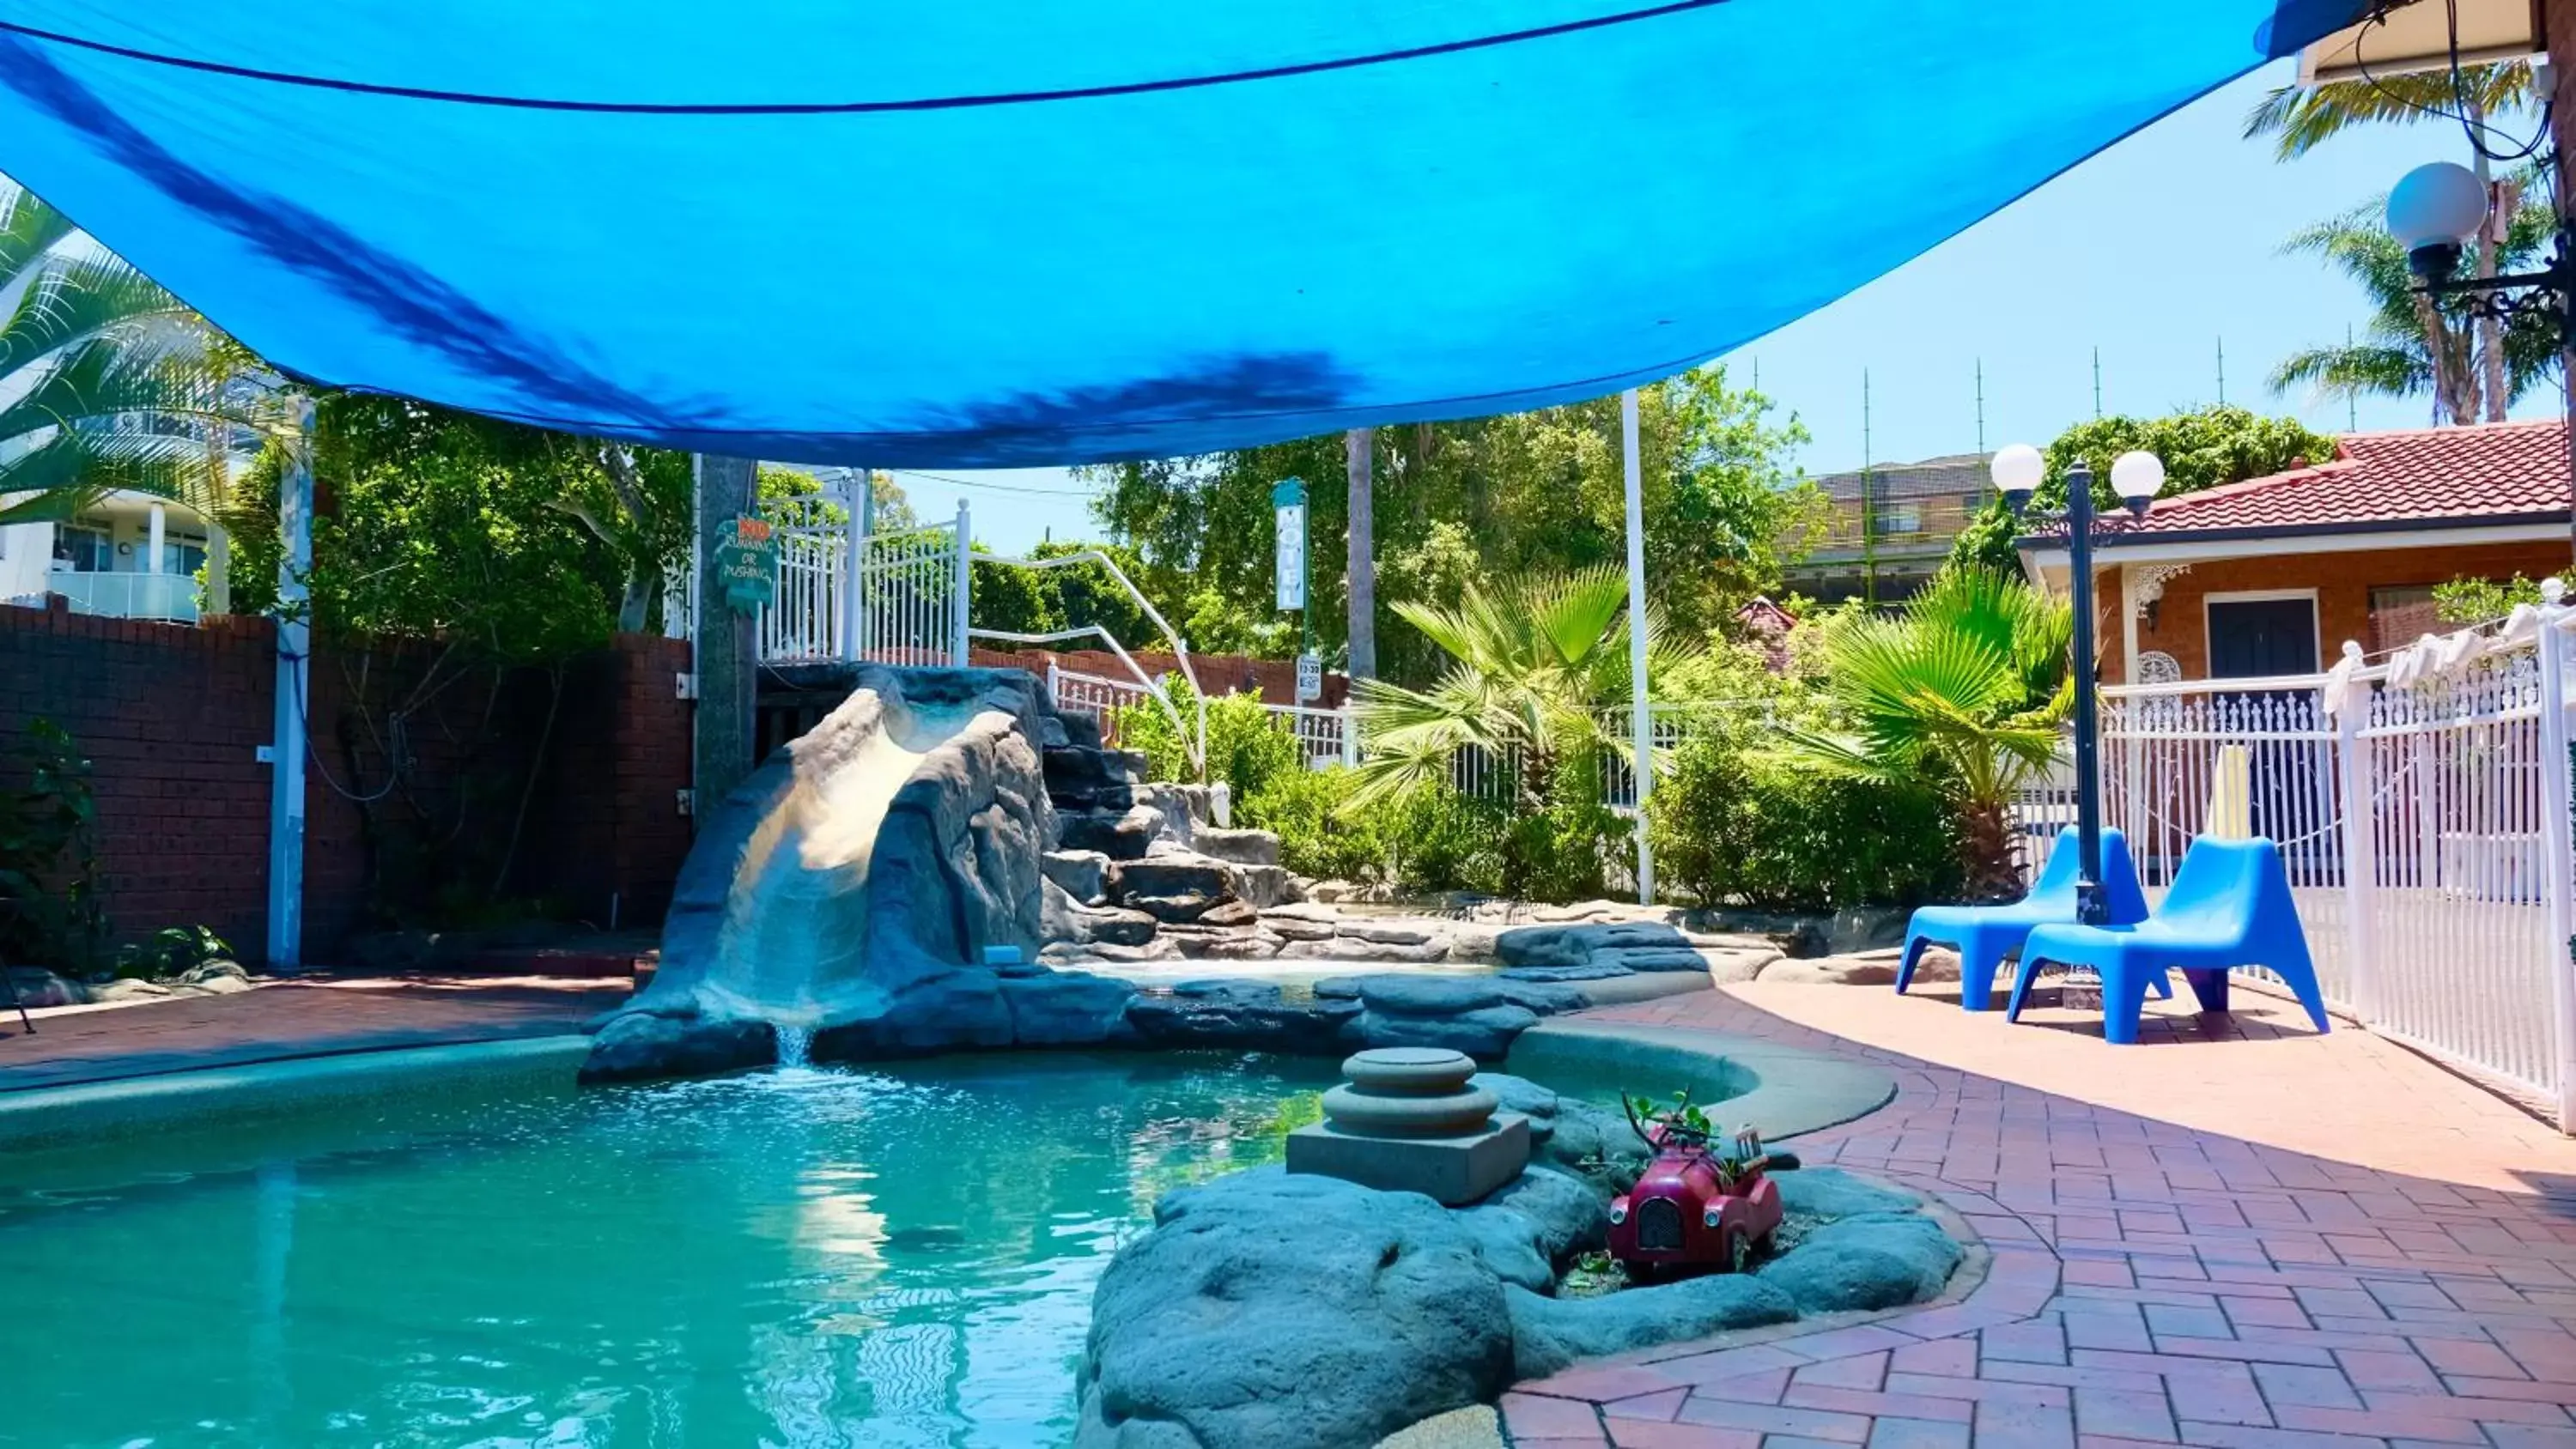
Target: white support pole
(2360, 849)
(155, 537)
(294, 648)
(965, 580)
(1350, 736)
(1641, 720)
(2557, 846)
(854, 549)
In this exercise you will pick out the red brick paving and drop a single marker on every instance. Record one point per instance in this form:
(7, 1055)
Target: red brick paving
(2152, 1282)
(291, 1019)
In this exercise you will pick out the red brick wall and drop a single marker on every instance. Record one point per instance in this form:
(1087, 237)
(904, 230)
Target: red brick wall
(173, 716)
(2343, 582)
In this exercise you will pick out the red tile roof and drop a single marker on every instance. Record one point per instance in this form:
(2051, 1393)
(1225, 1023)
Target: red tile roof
(2426, 476)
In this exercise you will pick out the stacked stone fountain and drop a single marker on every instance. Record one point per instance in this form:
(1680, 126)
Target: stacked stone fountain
(1410, 1120)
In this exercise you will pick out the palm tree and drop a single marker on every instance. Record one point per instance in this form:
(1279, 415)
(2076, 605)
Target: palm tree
(1359, 446)
(1533, 663)
(2415, 344)
(107, 381)
(1966, 686)
(2300, 118)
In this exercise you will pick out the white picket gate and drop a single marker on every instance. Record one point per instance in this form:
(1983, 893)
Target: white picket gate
(2425, 825)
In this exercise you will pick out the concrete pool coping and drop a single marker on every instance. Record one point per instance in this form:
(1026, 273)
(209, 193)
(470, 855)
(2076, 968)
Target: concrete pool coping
(1785, 1091)
(89, 1111)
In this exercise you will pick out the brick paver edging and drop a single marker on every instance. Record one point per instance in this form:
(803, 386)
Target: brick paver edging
(2149, 1284)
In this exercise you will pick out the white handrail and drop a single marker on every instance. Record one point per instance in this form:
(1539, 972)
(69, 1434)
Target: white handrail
(1154, 687)
(1180, 647)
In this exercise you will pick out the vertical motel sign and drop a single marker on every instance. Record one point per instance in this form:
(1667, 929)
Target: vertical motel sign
(1288, 509)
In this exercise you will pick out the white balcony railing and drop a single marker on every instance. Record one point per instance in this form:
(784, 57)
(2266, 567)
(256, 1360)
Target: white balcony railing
(128, 596)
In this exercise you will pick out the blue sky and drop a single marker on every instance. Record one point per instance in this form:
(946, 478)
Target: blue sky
(2155, 251)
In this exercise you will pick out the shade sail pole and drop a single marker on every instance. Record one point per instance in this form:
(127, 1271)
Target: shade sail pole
(1641, 724)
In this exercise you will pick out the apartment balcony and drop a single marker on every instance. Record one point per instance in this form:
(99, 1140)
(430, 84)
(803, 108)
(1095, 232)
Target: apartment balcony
(172, 597)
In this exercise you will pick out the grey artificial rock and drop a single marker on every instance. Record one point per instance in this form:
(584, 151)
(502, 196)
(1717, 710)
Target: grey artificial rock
(1175, 909)
(1344, 948)
(1068, 1009)
(1867, 1261)
(1485, 1034)
(1268, 1311)
(1589, 971)
(1200, 943)
(1264, 885)
(1296, 928)
(1426, 995)
(1728, 966)
(1230, 913)
(1081, 874)
(1831, 971)
(641, 1045)
(948, 1011)
(1242, 847)
(35, 986)
(1549, 1334)
(1570, 1215)
(1248, 1016)
(1547, 998)
(1172, 875)
(1830, 1192)
(1394, 931)
(1855, 929)
(1581, 942)
(1651, 958)
(1119, 835)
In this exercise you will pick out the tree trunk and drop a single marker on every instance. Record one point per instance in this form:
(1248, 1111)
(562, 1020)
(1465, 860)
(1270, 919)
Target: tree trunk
(1985, 849)
(1363, 555)
(2502, 197)
(2453, 381)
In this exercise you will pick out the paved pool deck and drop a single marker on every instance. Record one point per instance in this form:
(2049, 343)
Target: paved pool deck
(2238, 1234)
(292, 1020)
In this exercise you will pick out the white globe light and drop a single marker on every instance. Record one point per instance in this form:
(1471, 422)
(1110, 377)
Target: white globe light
(2137, 476)
(2018, 469)
(2440, 204)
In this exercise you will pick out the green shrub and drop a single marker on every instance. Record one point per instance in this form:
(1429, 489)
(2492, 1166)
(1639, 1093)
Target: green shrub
(1732, 825)
(1304, 808)
(1248, 746)
(51, 913)
(1431, 839)
(2477, 601)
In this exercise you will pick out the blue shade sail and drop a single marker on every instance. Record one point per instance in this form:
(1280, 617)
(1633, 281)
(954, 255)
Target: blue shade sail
(1005, 232)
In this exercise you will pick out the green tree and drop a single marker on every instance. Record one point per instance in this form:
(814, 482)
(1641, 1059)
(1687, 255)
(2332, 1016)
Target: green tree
(113, 383)
(1534, 659)
(2200, 449)
(1964, 688)
(2414, 344)
(1020, 600)
(2300, 118)
(1538, 492)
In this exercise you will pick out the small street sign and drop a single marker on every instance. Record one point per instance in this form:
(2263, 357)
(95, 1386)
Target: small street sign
(747, 565)
(1288, 508)
(1310, 677)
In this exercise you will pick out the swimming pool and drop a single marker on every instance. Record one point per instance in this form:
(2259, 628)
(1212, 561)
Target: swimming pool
(901, 1256)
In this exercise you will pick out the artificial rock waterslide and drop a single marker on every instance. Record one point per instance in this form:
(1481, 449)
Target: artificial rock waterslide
(851, 891)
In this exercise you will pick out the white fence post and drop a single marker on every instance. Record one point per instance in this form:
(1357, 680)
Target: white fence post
(1055, 685)
(1350, 736)
(965, 581)
(2360, 848)
(2557, 846)
(854, 550)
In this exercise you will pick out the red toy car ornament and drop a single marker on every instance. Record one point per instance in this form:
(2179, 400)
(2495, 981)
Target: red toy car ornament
(1699, 1206)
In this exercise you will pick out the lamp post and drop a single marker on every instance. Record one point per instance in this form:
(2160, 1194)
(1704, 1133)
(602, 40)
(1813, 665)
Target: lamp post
(2433, 212)
(2135, 477)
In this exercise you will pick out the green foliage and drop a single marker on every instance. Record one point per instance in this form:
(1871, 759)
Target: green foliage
(1525, 494)
(1072, 596)
(1247, 745)
(170, 951)
(2475, 601)
(1318, 836)
(2395, 354)
(498, 540)
(51, 911)
(2200, 449)
(1964, 688)
(1732, 823)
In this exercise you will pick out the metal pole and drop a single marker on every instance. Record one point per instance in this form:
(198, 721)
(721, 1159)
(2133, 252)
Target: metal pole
(1641, 723)
(854, 613)
(294, 651)
(2088, 725)
(965, 581)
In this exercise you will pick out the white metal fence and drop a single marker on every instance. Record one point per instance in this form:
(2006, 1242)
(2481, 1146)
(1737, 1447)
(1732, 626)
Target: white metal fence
(2425, 823)
(896, 598)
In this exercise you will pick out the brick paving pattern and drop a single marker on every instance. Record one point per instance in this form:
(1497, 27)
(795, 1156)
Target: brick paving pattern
(2152, 1282)
(291, 1019)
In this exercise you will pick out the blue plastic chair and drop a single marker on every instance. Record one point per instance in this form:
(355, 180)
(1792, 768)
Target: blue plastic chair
(1985, 935)
(2230, 906)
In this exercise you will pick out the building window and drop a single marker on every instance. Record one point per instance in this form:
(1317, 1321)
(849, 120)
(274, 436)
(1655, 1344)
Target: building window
(2400, 616)
(187, 553)
(84, 548)
(1901, 518)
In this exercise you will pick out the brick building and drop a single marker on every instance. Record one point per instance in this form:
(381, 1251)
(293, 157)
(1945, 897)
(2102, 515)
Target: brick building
(1890, 526)
(2270, 576)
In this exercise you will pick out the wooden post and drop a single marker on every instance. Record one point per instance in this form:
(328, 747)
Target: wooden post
(724, 646)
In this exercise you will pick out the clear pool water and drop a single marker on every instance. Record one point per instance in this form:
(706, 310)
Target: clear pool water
(798, 1258)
